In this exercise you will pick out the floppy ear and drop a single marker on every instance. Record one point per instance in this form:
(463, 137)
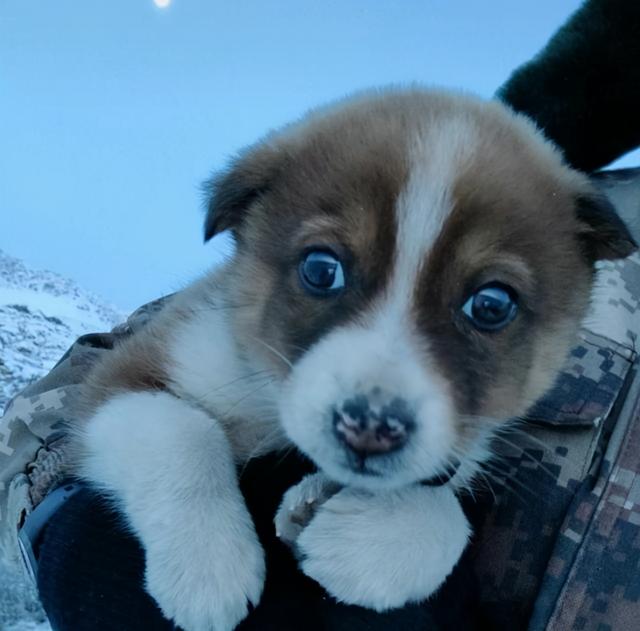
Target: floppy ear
(229, 194)
(603, 233)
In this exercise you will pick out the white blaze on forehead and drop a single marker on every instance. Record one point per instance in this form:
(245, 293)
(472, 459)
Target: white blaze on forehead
(438, 153)
(381, 349)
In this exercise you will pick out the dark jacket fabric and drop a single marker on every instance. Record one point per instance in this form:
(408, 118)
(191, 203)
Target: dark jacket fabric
(583, 88)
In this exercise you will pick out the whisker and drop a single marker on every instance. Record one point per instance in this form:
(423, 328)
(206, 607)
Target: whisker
(221, 306)
(233, 381)
(508, 486)
(265, 440)
(525, 453)
(487, 481)
(488, 470)
(248, 378)
(275, 351)
(501, 476)
(474, 468)
(245, 397)
(302, 349)
(522, 433)
(517, 426)
(285, 452)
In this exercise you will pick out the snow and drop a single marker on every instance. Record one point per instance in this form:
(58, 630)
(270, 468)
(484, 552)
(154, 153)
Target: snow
(20, 609)
(41, 315)
(56, 307)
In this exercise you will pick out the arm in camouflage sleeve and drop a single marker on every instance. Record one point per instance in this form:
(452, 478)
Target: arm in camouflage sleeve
(583, 88)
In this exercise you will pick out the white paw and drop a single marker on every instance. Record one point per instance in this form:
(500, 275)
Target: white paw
(171, 469)
(300, 504)
(207, 588)
(386, 549)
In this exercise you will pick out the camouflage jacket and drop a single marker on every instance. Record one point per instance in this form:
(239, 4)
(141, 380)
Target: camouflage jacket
(558, 546)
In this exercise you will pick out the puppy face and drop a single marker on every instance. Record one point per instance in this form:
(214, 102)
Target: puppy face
(415, 265)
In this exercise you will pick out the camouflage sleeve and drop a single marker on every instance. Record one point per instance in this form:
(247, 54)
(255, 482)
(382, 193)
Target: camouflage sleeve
(559, 546)
(592, 579)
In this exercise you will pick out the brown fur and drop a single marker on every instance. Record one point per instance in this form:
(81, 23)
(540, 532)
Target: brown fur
(135, 365)
(513, 221)
(338, 190)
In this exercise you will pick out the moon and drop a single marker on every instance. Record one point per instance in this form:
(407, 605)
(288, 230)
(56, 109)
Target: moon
(162, 4)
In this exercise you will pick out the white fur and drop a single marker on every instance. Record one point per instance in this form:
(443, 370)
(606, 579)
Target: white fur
(205, 364)
(385, 549)
(437, 155)
(327, 375)
(170, 468)
(206, 368)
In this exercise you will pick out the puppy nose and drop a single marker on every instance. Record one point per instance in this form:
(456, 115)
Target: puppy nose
(369, 431)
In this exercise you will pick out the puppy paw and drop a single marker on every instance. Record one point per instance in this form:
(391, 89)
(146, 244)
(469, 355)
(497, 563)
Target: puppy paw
(300, 504)
(386, 549)
(205, 587)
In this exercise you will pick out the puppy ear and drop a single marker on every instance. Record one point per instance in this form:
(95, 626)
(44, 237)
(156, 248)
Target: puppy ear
(603, 233)
(230, 193)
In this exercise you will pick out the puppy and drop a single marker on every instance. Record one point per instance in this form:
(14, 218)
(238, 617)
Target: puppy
(410, 270)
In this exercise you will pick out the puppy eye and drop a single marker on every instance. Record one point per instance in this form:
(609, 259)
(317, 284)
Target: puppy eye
(491, 307)
(321, 273)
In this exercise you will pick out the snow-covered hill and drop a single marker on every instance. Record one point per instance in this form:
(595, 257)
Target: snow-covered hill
(41, 314)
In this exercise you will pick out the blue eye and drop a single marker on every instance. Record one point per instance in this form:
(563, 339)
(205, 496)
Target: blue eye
(491, 307)
(321, 273)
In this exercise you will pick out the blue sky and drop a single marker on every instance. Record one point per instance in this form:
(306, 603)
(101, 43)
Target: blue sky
(113, 112)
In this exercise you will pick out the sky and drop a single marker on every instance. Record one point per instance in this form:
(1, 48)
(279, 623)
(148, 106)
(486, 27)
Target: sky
(113, 112)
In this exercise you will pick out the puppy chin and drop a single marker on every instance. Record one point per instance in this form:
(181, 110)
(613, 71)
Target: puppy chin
(380, 475)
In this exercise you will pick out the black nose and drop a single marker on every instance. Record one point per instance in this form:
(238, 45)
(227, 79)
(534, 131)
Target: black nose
(369, 430)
